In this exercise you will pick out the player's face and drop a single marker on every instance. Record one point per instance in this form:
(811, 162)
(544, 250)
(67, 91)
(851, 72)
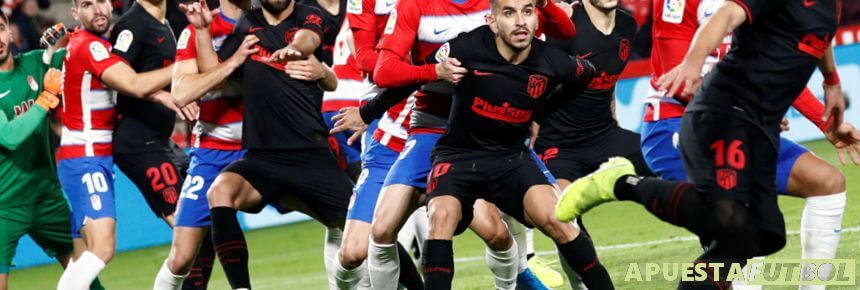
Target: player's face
(515, 22)
(605, 4)
(93, 14)
(275, 6)
(5, 40)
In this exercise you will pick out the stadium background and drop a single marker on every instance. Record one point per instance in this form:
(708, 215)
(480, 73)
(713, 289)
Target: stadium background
(293, 253)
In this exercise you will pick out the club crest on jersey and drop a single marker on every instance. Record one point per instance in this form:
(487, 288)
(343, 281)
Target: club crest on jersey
(290, 34)
(443, 52)
(727, 178)
(673, 11)
(123, 41)
(313, 19)
(98, 51)
(624, 49)
(183, 39)
(537, 85)
(34, 86)
(354, 6)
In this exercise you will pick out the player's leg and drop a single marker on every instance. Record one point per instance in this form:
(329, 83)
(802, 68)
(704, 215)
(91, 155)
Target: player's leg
(501, 251)
(398, 199)
(88, 182)
(232, 191)
(14, 223)
(659, 142)
(802, 174)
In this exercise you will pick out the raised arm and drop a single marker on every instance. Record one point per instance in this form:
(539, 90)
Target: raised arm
(189, 84)
(14, 132)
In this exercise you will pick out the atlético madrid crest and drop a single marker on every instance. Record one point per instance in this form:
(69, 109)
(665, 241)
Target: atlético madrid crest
(537, 85)
(727, 178)
(624, 49)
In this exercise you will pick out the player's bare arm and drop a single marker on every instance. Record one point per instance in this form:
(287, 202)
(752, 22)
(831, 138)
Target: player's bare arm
(304, 44)
(312, 69)
(708, 38)
(834, 100)
(199, 15)
(190, 84)
(124, 79)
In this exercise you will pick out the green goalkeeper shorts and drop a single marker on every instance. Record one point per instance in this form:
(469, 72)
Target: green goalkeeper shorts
(47, 222)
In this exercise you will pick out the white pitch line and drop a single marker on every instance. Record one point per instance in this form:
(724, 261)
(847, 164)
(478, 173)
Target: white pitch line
(638, 245)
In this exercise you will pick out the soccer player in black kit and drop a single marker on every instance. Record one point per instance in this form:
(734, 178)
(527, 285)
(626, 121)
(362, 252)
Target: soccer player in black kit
(141, 145)
(288, 159)
(482, 154)
(729, 132)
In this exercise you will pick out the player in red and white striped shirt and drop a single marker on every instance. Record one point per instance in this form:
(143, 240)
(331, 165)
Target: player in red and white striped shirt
(85, 164)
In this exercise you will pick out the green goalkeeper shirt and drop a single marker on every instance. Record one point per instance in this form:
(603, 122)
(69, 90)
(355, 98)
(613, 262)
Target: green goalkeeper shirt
(27, 168)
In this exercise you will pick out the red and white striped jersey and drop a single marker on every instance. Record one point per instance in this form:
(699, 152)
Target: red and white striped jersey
(352, 84)
(88, 114)
(219, 125)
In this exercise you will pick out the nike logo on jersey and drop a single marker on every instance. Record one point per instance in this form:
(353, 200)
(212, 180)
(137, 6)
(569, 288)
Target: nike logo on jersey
(254, 29)
(584, 55)
(3, 95)
(481, 73)
(437, 32)
(808, 3)
(390, 3)
(160, 39)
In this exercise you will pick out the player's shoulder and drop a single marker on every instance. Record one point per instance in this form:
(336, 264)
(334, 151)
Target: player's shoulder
(475, 36)
(626, 21)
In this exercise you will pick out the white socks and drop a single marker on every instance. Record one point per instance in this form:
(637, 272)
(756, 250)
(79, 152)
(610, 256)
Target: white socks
(80, 274)
(352, 279)
(166, 280)
(518, 231)
(333, 237)
(820, 228)
(383, 265)
(504, 265)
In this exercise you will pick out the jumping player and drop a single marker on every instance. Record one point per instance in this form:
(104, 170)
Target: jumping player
(142, 147)
(288, 159)
(85, 167)
(799, 172)
(731, 156)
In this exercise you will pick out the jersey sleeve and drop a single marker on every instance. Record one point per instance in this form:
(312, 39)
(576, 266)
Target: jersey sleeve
(755, 8)
(811, 108)
(14, 132)
(554, 22)
(234, 40)
(361, 15)
(575, 73)
(454, 48)
(127, 41)
(312, 20)
(402, 28)
(186, 45)
(57, 58)
(96, 57)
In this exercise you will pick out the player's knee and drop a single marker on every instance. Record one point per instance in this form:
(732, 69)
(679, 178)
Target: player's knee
(180, 263)
(382, 233)
(351, 256)
(442, 215)
(104, 253)
(729, 217)
(835, 182)
(221, 194)
(500, 240)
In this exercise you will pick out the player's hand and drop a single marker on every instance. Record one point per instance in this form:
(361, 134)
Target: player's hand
(165, 99)
(834, 107)
(450, 70)
(288, 53)
(52, 86)
(309, 69)
(190, 111)
(846, 138)
(348, 118)
(783, 125)
(685, 74)
(245, 49)
(567, 7)
(198, 14)
(55, 37)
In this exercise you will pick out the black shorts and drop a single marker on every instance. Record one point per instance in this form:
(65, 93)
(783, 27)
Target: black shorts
(727, 155)
(574, 162)
(311, 178)
(157, 174)
(499, 178)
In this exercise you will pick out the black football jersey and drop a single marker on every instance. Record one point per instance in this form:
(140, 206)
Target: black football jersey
(589, 115)
(496, 102)
(146, 44)
(773, 54)
(281, 113)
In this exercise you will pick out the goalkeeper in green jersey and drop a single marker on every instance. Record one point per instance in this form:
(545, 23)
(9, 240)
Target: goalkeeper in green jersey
(31, 201)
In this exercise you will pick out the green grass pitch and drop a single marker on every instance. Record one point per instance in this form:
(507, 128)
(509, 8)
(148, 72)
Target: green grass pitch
(290, 257)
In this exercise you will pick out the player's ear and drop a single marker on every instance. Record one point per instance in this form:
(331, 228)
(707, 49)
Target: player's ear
(491, 22)
(75, 13)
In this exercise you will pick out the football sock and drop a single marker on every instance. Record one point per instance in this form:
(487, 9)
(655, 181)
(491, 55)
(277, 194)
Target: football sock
(230, 246)
(166, 280)
(383, 264)
(504, 266)
(198, 277)
(333, 238)
(438, 258)
(409, 276)
(582, 258)
(820, 228)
